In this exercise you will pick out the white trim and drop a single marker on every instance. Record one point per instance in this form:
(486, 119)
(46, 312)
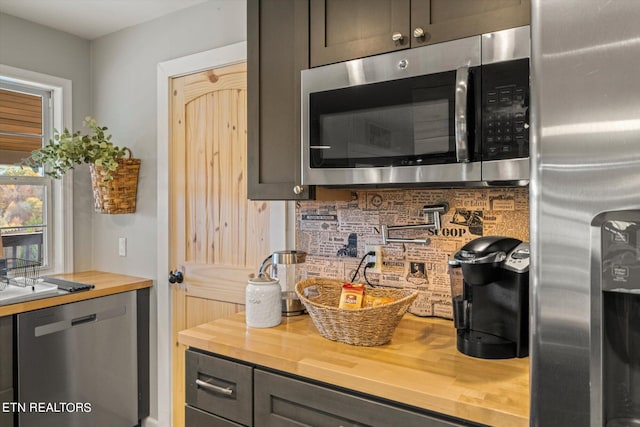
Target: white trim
(214, 58)
(61, 96)
(290, 225)
(150, 422)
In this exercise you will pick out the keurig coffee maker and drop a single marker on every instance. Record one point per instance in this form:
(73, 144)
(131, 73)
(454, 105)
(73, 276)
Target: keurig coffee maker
(491, 308)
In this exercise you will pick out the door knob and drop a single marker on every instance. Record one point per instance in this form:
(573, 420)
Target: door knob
(418, 33)
(176, 277)
(298, 189)
(397, 37)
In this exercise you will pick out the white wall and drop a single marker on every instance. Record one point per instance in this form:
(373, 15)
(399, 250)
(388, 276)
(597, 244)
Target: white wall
(114, 79)
(124, 86)
(33, 47)
(123, 71)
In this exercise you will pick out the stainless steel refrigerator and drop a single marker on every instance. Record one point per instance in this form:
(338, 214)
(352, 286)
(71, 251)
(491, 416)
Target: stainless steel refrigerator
(585, 213)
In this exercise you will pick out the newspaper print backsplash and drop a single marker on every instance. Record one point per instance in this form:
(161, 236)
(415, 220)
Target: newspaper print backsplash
(335, 235)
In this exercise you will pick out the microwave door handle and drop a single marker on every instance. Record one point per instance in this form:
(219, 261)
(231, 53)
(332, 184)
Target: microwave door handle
(460, 117)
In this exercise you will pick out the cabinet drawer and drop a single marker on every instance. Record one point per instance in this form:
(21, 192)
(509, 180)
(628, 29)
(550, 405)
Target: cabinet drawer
(219, 386)
(196, 418)
(283, 401)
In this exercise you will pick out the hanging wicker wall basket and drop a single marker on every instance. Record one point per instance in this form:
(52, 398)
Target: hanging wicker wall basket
(117, 196)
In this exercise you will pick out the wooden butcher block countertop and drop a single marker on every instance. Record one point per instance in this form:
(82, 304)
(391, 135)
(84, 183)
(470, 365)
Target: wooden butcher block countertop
(419, 367)
(105, 284)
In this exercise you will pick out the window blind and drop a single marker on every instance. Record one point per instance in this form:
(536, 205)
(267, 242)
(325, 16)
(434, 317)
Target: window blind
(20, 122)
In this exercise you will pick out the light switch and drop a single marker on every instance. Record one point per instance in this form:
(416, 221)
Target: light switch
(122, 246)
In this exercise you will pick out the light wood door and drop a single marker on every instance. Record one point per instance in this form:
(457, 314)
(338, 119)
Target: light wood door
(218, 237)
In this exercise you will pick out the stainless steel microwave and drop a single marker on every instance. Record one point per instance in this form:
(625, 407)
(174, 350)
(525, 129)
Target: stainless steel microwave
(453, 112)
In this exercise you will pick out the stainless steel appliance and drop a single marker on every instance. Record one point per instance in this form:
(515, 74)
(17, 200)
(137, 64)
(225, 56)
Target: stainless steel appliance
(84, 363)
(491, 308)
(288, 267)
(454, 112)
(585, 212)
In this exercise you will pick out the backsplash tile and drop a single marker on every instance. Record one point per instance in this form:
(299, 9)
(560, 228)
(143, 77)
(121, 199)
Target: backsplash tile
(334, 235)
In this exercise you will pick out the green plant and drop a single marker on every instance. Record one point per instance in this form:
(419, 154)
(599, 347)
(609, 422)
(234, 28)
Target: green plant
(68, 149)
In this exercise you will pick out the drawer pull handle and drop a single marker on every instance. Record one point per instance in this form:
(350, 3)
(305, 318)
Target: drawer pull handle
(226, 391)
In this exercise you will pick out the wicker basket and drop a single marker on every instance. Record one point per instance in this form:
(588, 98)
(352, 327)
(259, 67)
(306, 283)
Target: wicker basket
(365, 326)
(117, 196)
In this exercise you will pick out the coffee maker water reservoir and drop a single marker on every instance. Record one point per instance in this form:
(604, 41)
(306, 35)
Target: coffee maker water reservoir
(491, 308)
(288, 267)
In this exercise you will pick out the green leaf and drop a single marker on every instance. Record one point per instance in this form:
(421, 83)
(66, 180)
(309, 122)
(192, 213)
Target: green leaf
(67, 149)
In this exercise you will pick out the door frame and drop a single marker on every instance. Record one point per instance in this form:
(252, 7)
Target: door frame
(278, 235)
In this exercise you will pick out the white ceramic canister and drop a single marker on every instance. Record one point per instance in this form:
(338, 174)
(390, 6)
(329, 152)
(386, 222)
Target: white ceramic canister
(263, 302)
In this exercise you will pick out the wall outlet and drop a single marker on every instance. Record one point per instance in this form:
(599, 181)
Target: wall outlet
(377, 258)
(122, 246)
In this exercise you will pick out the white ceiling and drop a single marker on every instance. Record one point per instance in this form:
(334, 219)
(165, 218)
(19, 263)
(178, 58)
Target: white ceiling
(91, 19)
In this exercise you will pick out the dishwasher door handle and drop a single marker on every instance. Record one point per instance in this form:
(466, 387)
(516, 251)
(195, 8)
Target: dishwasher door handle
(225, 391)
(84, 319)
(64, 324)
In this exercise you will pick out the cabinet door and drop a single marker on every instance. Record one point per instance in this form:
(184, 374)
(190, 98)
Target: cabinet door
(443, 20)
(277, 50)
(6, 368)
(346, 29)
(281, 401)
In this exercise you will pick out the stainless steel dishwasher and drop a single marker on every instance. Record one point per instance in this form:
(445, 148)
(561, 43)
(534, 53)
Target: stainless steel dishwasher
(84, 363)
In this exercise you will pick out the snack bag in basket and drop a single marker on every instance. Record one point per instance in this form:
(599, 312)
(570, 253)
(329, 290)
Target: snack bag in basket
(351, 296)
(373, 301)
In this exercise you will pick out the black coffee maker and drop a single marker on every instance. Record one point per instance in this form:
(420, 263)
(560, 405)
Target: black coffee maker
(491, 305)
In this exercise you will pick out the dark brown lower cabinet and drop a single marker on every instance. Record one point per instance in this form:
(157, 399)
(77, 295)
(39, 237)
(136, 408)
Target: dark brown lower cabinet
(6, 369)
(217, 387)
(282, 401)
(197, 418)
(279, 400)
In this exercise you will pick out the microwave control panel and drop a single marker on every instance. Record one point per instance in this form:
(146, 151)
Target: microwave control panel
(505, 110)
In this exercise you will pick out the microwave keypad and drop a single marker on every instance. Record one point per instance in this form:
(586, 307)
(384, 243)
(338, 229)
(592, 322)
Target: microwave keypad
(505, 107)
(506, 134)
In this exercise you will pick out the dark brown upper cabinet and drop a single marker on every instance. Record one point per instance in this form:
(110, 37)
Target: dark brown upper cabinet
(347, 29)
(443, 20)
(277, 50)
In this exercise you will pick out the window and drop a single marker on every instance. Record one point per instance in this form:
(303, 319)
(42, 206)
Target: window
(35, 210)
(24, 191)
